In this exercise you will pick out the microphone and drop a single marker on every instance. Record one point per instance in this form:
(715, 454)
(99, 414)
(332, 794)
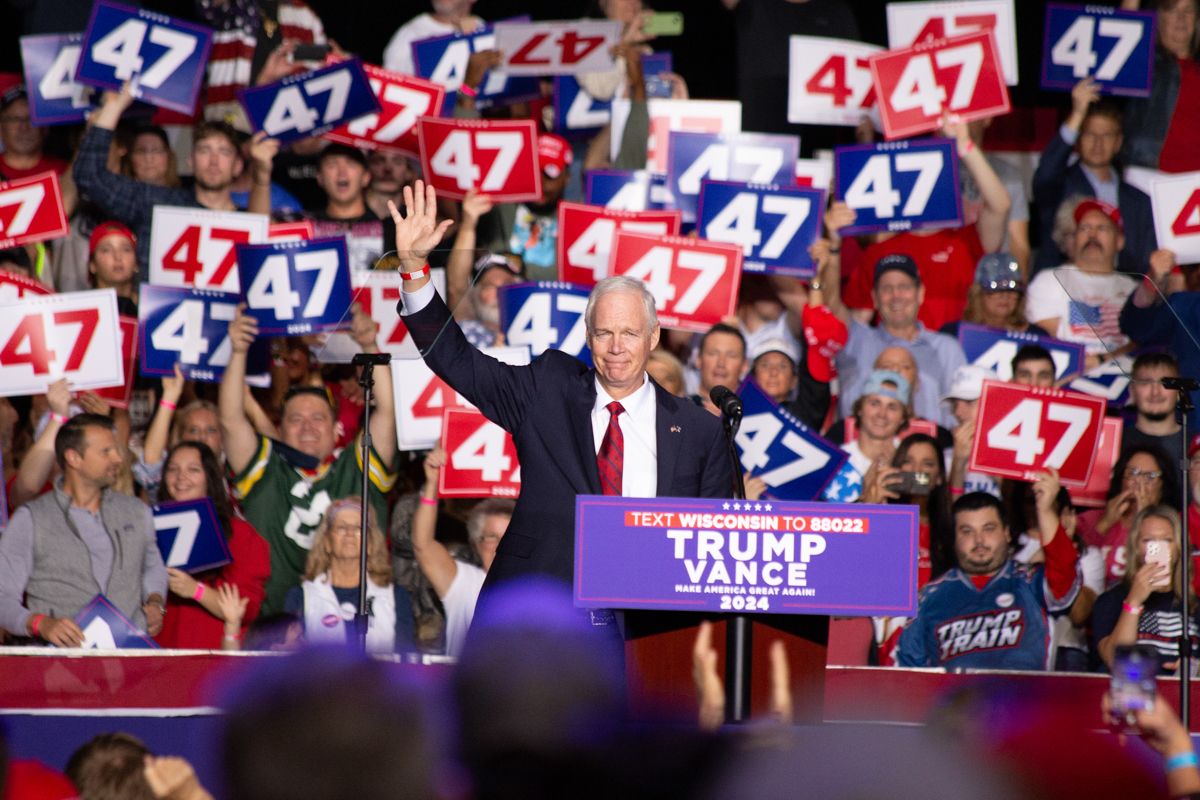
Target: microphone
(728, 402)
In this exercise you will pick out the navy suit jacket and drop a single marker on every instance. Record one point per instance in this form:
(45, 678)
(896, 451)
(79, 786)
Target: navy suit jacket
(1054, 182)
(547, 407)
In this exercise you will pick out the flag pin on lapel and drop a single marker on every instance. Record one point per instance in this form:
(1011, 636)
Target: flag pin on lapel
(676, 429)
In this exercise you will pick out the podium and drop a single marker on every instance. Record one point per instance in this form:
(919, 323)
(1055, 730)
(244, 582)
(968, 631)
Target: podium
(785, 567)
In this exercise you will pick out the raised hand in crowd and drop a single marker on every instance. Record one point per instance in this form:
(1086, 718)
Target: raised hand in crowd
(173, 778)
(363, 329)
(112, 106)
(233, 610)
(1086, 92)
(1161, 728)
(278, 65)
(1045, 493)
(878, 483)
(477, 66)
(39, 461)
(462, 256)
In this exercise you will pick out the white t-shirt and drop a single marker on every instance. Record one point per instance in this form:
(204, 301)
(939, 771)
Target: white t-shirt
(397, 56)
(459, 603)
(1087, 306)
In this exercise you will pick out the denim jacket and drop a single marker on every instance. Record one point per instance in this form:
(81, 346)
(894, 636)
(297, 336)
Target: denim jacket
(1147, 119)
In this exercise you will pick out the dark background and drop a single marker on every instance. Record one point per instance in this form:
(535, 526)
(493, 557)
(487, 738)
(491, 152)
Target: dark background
(704, 55)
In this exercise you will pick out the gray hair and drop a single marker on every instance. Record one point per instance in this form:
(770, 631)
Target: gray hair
(1063, 234)
(620, 283)
(491, 507)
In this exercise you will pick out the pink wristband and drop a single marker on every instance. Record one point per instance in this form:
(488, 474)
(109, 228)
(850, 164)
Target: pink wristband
(1135, 610)
(199, 595)
(970, 146)
(467, 90)
(167, 404)
(37, 621)
(425, 501)
(59, 418)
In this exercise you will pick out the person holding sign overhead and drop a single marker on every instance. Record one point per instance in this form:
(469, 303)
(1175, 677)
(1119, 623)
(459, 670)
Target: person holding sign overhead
(195, 614)
(608, 430)
(80, 540)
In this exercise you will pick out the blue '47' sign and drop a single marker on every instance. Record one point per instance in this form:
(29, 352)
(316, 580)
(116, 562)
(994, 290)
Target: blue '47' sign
(1114, 47)
(312, 103)
(627, 190)
(774, 225)
(794, 460)
(443, 59)
(189, 536)
(899, 186)
(190, 327)
(162, 57)
(106, 628)
(578, 114)
(295, 288)
(744, 157)
(55, 98)
(545, 315)
(994, 348)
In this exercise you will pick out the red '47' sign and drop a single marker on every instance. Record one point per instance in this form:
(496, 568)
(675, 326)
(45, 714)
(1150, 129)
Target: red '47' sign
(403, 99)
(694, 282)
(1021, 431)
(557, 48)
(585, 237)
(31, 210)
(197, 247)
(73, 336)
(496, 156)
(14, 286)
(482, 457)
(118, 396)
(962, 74)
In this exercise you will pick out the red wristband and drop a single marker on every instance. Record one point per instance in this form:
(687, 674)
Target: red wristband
(412, 276)
(199, 595)
(37, 621)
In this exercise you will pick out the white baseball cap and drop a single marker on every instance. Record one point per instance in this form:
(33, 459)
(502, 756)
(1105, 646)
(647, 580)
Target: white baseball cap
(968, 382)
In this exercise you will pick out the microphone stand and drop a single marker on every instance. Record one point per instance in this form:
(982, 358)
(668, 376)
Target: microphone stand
(1183, 406)
(367, 361)
(737, 628)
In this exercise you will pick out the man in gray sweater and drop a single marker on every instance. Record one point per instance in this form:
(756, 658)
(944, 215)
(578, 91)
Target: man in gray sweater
(79, 540)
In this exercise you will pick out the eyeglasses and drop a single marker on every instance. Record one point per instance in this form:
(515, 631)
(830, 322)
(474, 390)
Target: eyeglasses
(347, 530)
(1141, 473)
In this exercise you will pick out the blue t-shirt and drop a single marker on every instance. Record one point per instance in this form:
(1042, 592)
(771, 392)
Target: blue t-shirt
(281, 200)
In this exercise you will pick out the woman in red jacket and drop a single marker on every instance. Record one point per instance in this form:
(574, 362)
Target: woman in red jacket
(200, 613)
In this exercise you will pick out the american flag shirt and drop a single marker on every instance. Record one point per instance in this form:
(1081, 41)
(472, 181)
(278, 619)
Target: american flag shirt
(1086, 305)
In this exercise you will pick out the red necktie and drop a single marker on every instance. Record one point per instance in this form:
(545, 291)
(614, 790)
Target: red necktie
(611, 458)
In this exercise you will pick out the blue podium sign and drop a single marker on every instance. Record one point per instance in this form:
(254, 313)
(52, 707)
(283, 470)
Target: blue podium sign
(774, 225)
(795, 461)
(162, 57)
(443, 59)
(311, 103)
(545, 315)
(296, 288)
(764, 158)
(106, 628)
(775, 557)
(994, 348)
(899, 186)
(1114, 47)
(190, 327)
(189, 536)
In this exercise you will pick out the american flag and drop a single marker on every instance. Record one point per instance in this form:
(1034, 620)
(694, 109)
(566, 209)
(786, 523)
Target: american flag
(1102, 320)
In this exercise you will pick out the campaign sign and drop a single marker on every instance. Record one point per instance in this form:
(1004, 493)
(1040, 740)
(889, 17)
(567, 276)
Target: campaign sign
(794, 460)
(197, 247)
(545, 315)
(557, 48)
(1175, 200)
(909, 23)
(482, 457)
(106, 628)
(1109, 380)
(443, 59)
(694, 282)
(290, 231)
(1021, 431)
(829, 80)
(118, 396)
(295, 288)
(762, 158)
(899, 186)
(778, 557)
(1095, 494)
(189, 536)
(627, 190)
(55, 98)
(915, 85)
(995, 348)
(774, 225)
(421, 397)
(402, 98)
(578, 115)
(14, 286)
(499, 157)
(814, 172)
(1114, 47)
(585, 236)
(190, 327)
(693, 116)
(311, 103)
(31, 210)
(74, 336)
(162, 57)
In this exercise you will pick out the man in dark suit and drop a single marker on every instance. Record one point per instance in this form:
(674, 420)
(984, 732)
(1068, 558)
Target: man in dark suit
(608, 430)
(1096, 127)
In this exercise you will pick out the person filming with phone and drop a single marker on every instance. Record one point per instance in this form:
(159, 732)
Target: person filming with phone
(1144, 607)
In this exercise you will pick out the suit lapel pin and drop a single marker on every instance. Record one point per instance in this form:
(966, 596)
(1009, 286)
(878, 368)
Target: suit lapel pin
(676, 429)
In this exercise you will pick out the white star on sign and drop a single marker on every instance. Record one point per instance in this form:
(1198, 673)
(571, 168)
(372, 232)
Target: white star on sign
(767, 506)
(727, 506)
(736, 507)
(758, 506)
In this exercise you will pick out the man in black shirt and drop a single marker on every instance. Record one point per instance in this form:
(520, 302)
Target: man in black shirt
(1155, 404)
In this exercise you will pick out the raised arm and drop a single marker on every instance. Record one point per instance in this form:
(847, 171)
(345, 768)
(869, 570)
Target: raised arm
(993, 216)
(462, 256)
(432, 556)
(383, 419)
(262, 154)
(837, 217)
(157, 436)
(39, 461)
(240, 438)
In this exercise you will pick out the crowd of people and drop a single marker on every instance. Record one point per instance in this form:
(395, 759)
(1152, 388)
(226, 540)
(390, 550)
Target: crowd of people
(1013, 574)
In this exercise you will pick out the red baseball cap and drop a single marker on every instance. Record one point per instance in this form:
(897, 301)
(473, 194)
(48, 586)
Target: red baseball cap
(1112, 212)
(108, 229)
(826, 335)
(555, 154)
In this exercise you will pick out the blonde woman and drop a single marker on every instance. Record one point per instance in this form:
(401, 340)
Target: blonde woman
(1144, 607)
(328, 598)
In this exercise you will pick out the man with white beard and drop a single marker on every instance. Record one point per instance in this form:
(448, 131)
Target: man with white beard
(479, 312)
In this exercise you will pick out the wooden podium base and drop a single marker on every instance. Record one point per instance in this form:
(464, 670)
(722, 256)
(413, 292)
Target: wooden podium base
(658, 662)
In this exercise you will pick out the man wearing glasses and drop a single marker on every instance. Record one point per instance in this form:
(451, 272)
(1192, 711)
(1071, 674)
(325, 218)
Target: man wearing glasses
(1155, 423)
